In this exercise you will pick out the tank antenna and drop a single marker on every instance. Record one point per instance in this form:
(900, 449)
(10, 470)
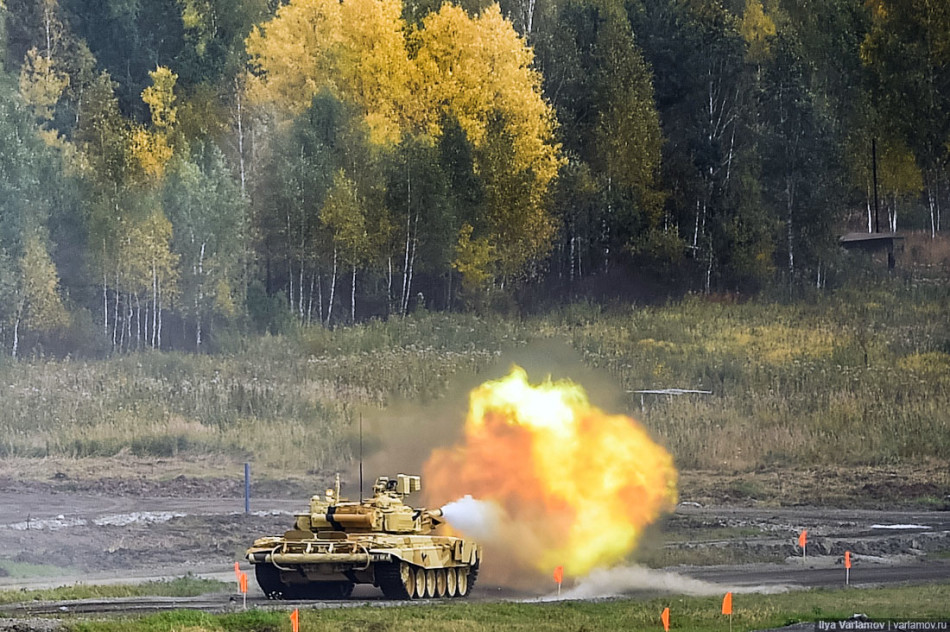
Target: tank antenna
(361, 457)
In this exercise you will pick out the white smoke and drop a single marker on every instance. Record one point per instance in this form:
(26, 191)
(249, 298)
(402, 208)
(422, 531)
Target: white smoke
(613, 582)
(479, 519)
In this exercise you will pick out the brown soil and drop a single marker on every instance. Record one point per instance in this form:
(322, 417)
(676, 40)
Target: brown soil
(60, 513)
(921, 485)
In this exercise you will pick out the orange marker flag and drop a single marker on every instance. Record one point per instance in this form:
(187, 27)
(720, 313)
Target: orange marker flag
(243, 581)
(665, 618)
(727, 603)
(847, 568)
(803, 538)
(295, 619)
(559, 574)
(237, 570)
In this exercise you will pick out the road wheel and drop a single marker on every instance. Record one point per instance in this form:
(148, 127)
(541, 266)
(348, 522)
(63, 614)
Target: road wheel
(451, 581)
(420, 583)
(430, 583)
(462, 590)
(440, 583)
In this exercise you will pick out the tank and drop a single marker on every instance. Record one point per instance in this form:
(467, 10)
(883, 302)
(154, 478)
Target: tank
(380, 541)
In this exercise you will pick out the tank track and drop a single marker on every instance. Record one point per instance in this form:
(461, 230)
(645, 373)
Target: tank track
(268, 578)
(390, 582)
(473, 574)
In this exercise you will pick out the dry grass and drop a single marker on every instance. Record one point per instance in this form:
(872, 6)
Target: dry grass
(856, 378)
(925, 254)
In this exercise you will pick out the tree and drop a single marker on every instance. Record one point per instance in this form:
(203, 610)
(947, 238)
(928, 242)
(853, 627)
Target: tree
(129, 38)
(474, 73)
(802, 171)
(908, 51)
(474, 259)
(627, 136)
(757, 30)
(41, 84)
(214, 33)
(603, 91)
(146, 273)
(424, 219)
(518, 228)
(29, 180)
(209, 219)
(356, 48)
(344, 216)
(292, 190)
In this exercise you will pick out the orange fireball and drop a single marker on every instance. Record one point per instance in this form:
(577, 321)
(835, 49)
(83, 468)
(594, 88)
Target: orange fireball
(574, 486)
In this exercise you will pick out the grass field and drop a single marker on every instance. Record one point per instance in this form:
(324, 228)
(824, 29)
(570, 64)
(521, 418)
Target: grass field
(187, 586)
(697, 614)
(859, 377)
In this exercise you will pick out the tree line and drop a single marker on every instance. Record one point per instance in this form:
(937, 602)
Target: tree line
(173, 170)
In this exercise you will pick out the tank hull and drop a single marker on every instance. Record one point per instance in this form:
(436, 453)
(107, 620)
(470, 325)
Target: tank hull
(380, 541)
(403, 566)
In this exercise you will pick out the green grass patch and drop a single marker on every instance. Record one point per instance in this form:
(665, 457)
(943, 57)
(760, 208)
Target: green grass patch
(25, 570)
(697, 614)
(187, 586)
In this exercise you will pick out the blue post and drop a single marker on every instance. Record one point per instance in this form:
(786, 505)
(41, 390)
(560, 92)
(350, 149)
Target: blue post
(247, 488)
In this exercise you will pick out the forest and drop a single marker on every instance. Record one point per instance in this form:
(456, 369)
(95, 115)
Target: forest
(173, 172)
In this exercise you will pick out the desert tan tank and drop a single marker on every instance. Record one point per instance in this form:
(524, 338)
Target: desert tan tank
(380, 541)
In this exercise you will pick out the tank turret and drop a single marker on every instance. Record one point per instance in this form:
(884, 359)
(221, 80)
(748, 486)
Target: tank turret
(380, 541)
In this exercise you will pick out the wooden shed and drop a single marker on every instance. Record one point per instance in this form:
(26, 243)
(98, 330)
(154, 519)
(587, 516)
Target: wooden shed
(873, 242)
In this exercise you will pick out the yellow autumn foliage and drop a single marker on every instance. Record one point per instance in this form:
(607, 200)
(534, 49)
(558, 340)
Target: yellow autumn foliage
(475, 68)
(928, 364)
(41, 84)
(460, 66)
(294, 54)
(44, 308)
(150, 152)
(756, 29)
(473, 260)
(160, 97)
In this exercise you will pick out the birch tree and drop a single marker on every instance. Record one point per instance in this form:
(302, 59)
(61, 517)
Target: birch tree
(908, 51)
(209, 219)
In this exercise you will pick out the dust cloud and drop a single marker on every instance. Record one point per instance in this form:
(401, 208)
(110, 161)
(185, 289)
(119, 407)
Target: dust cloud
(615, 582)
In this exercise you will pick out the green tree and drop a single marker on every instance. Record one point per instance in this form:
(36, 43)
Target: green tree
(423, 221)
(344, 216)
(908, 51)
(30, 177)
(292, 190)
(800, 147)
(129, 38)
(209, 217)
(627, 136)
(604, 98)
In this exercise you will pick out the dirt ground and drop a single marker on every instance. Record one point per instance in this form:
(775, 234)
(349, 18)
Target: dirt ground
(96, 520)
